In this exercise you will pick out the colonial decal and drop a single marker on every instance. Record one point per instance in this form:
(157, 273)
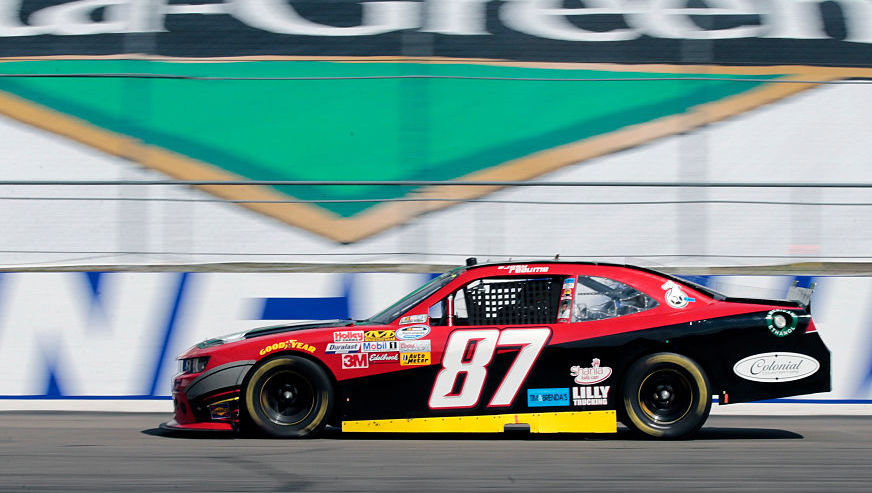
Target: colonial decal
(776, 367)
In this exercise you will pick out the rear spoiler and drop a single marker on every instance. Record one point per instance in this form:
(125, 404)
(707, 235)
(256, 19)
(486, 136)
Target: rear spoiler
(801, 295)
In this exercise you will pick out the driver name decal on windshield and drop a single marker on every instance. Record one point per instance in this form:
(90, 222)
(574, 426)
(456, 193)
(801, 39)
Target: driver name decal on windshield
(522, 269)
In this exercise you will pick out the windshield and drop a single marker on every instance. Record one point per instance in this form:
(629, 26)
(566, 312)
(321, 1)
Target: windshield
(390, 313)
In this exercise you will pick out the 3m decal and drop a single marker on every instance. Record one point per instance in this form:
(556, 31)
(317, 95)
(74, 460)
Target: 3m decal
(379, 335)
(412, 332)
(547, 397)
(289, 344)
(414, 319)
(781, 323)
(596, 395)
(414, 359)
(593, 374)
(523, 269)
(355, 361)
(348, 336)
(776, 367)
(469, 352)
(414, 346)
(384, 357)
(675, 297)
(342, 347)
(378, 347)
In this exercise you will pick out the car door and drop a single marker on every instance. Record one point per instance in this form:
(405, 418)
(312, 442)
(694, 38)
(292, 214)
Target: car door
(488, 336)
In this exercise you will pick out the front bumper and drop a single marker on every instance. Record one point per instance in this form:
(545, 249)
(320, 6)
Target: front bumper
(208, 401)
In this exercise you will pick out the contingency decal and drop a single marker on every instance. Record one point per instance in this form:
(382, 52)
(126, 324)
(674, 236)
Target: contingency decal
(547, 397)
(289, 344)
(564, 313)
(342, 347)
(781, 323)
(348, 336)
(355, 361)
(379, 335)
(414, 319)
(587, 394)
(675, 297)
(412, 332)
(776, 367)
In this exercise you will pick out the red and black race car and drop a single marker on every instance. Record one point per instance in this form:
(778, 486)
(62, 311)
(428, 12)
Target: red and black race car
(549, 346)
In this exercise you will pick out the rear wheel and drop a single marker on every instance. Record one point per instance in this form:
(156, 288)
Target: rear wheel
(288, 397)
(666, 395)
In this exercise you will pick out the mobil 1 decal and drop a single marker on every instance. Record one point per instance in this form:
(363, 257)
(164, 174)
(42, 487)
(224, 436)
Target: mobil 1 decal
(468, 357)
(590, 389)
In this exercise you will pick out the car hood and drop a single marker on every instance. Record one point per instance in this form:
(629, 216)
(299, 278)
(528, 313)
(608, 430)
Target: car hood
(272, 329)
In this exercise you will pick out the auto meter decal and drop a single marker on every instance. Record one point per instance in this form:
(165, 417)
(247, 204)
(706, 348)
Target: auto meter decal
(591, 375)
(781, 323)
(776, 367)
(675, 297)
(412, 332)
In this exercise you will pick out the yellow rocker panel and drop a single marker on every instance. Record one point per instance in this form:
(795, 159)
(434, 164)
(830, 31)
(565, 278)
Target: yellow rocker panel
(565, 422)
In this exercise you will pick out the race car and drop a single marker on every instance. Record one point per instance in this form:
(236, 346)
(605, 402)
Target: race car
(549, 347)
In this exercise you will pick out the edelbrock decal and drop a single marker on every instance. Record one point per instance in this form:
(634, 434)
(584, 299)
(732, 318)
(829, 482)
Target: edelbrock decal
(776, 367)
(412, 332)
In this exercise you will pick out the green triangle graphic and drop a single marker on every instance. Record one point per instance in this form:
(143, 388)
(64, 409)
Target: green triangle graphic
(341, 125)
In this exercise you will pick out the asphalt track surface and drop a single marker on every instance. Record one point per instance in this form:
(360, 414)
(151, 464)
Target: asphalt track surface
(52, 451)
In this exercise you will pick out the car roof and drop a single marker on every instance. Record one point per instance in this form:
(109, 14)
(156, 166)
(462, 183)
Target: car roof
(685, 282)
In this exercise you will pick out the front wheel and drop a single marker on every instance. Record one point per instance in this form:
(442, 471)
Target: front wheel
(666, 395)
(289, 397)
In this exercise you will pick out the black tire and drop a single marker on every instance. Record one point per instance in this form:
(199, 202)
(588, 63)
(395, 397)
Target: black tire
(289, 397)
(666, 395)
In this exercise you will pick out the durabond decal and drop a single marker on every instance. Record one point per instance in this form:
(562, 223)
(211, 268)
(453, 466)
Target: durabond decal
(342, 347)
(414, 319)
(593, 374)
(523, 269)
(348, 336)
(378, 346)
(412, 332)
(776, 367)
(547, 397)
(414, 346)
